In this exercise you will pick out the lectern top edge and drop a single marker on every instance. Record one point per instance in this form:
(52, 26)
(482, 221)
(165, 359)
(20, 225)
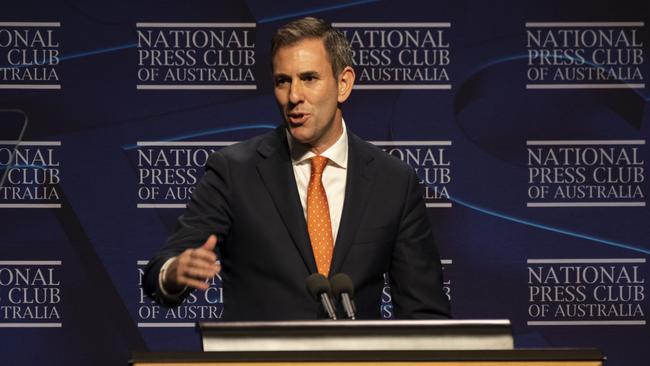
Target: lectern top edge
(327, 324)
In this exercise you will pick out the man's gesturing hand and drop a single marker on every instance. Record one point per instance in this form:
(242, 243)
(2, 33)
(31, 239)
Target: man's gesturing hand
(193, 267)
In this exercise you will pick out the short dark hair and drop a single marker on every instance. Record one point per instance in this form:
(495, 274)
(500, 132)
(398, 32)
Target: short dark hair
(336, 45)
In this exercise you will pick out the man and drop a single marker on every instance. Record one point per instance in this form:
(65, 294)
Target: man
(308, 197)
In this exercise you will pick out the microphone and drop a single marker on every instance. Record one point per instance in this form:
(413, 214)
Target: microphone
(343, 289)
(319, 288)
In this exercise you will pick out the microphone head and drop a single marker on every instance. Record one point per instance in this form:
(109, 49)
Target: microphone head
(317, 284)
(342, 283)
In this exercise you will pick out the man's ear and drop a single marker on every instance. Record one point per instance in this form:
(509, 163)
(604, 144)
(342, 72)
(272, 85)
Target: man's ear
(345, 83)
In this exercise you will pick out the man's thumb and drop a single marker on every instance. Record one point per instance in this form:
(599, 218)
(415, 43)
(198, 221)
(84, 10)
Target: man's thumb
(211, 243)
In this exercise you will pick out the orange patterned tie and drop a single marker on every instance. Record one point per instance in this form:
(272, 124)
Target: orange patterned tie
(318, 217)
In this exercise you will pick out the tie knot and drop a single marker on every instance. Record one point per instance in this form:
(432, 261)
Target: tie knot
(318, 164)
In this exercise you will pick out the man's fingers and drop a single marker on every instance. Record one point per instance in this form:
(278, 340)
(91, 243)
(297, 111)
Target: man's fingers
(201, 263)
(199, 254)
(201, 285)
(196, 277)
(196, 264)
(202, 274)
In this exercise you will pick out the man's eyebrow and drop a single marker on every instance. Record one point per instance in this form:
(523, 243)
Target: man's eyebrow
(280, 75)
(309, 74)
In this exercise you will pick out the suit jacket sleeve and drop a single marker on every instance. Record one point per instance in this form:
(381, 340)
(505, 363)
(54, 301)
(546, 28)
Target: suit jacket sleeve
(416, 273)
(208, 212)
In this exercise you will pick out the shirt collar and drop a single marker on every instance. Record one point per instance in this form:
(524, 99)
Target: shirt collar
(337, 153)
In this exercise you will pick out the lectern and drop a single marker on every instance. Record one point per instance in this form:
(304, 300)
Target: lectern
(357, 335)
(365, 343)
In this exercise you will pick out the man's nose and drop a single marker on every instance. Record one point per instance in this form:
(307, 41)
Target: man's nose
(296, 92)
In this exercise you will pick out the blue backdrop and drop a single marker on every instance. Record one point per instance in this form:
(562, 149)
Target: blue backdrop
(527, 122)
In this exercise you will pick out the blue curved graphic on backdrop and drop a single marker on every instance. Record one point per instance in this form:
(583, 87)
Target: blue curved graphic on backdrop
(523, 56)
(315, 10)
(550, 228)
(215, 131)
(98, 51)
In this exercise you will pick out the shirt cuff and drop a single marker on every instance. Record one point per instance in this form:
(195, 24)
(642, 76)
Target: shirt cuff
(161, 283)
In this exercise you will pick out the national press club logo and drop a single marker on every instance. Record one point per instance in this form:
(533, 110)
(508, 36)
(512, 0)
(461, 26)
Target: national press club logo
(585, 55)
(432, 163)
(586, 291)
(30, 294)
(168, 171)
(586, 173)
(198, 306)
(400, 55)
(30, 55)
(196, 56)
(30, 173)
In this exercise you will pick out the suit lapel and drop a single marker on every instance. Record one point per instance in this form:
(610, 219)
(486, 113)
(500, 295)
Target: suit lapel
(359, 180)
(277, 175)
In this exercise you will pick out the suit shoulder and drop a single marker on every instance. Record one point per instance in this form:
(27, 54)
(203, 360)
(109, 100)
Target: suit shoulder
(387, 162)
(247, 150)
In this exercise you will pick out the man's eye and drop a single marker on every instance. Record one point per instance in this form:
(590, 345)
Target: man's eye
(279, 82)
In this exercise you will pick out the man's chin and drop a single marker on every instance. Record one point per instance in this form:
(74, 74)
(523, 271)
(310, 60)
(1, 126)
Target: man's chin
(301, 139)
(299, 134)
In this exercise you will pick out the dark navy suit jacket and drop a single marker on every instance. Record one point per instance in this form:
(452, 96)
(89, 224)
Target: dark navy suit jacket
(249, 198)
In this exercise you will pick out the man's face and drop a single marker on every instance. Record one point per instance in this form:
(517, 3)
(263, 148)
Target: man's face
(307, 94)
